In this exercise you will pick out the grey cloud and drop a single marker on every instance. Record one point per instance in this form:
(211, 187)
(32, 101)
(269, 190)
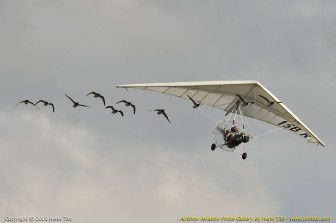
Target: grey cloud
(91, 164)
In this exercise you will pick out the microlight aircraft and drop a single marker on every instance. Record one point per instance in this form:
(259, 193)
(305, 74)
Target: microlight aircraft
(236, 98)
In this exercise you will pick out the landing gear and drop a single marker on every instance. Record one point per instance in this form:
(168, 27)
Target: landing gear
(244, 155)
(213, 146)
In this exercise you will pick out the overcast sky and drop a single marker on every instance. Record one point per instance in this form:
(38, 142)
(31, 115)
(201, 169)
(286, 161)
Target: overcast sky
(93, 166)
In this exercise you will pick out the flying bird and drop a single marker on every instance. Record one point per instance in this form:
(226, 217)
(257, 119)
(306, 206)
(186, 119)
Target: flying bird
(196, 105)
(96, 95)
(161, 111)
(244, 102)
(46, 103)
(127, 103)
(76, 104)
(270, 103)
(115, 110)
(26, 103)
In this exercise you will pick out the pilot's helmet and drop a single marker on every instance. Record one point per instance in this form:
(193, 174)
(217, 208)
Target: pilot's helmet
(234, 128)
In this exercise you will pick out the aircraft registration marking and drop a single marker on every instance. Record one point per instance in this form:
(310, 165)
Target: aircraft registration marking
(293, 128)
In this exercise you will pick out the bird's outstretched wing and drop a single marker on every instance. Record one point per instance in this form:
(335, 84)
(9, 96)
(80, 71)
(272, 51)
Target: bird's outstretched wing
(133, 108)
(102, 97)
(70, 99)
(52, 105)
(33, 104)
(270, 103)
(122, 113)
(122, 101)
(39, 102)
(111, 107)
(266, 99)
(244, 102)
(165, 115)
(20, 103)
(84, 105)
(92, 92)
(193, 101)
(241, 98)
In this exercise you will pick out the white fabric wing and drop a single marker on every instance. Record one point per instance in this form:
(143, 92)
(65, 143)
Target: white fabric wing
(225, 94)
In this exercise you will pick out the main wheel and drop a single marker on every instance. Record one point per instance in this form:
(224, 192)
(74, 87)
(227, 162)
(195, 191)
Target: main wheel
(213, 146)
(244, 156)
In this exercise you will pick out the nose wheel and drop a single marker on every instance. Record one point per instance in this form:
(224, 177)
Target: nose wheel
(213, 146)
(244, 156)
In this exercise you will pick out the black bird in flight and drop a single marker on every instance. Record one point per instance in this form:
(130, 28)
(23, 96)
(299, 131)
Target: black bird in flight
(96, 95)
(196, 105)
(46, 103)
(26, 103)
(161, 111)
(270, 103)
(115, 110)
(76, 104)
(244, 102)
(127, 103)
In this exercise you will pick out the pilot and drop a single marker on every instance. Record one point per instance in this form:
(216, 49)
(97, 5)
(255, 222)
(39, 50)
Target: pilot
(231, 134)
(233, 138)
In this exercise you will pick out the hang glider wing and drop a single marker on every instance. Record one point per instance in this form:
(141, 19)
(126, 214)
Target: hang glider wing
(260, 103)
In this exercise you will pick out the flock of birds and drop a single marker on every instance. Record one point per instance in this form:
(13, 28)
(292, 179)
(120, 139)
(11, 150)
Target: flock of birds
(159, 111)
(96, 95)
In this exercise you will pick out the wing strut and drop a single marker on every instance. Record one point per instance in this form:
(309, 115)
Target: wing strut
(243, 118)
(236, 110)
